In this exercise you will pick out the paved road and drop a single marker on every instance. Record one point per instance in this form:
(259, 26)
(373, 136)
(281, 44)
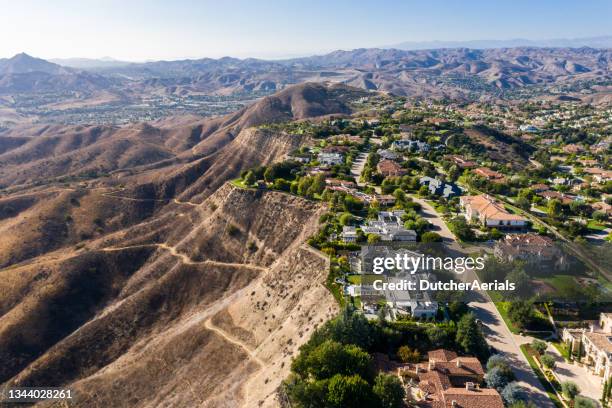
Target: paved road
(357, 168)
(499, 336)
(430, 214)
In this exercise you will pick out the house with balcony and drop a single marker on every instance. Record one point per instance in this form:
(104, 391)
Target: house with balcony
(595, 345)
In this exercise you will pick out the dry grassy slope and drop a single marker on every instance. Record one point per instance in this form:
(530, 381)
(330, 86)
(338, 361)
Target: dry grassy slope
(49, 220)
(44, 153)
(251, 147)
(145, 336)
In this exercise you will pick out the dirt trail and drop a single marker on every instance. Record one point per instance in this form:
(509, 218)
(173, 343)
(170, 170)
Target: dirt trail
(185, 259)
(208, 324)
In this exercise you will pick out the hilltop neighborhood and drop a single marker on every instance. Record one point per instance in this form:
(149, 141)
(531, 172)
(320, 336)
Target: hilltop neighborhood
(417, 174)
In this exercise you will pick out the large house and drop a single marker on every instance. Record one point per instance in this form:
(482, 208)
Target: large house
(330, 159)
(438, 187)
(390, 168)
(533, 249)
(413, 145)
(490, 213)
(450, 381)
(595, 345)
(389, 227)
(599, 175)
(490, 175)
(462, 163)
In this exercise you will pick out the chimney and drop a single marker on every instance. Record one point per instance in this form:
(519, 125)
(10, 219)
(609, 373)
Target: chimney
(416, 369)
(453, 403)
(430, 366)
(458, 362)
(470, 386)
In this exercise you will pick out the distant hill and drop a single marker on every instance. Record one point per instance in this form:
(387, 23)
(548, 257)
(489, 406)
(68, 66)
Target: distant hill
(24, 64)
(25, 74)
(89, 63)
(592, 42)
(464, 73)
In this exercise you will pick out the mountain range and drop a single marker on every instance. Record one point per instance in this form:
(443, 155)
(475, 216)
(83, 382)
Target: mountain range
(443, 72)
(35, 90)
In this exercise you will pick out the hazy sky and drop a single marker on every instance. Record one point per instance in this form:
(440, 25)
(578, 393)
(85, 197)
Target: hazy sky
(153, 29)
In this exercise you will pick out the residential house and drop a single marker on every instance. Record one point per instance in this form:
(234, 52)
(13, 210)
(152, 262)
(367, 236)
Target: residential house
(438, 187)
(603, 207)
(385, 199)
(573, 148)
(389, 227)
(599, 175)
(387, 154)
(450, 381)
(539, 188)
(595, 344)
(338, 182)
(335, 149)
(491, 175)
(533, 249)
(349, 234)
(551, 195)
(490, 213)
(462, 163)
(330, 159)
(390, 168)
(412, 145)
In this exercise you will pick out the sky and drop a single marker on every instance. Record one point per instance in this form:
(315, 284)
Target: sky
(140, 30)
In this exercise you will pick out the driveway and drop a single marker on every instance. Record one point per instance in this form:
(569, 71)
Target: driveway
(590, 385)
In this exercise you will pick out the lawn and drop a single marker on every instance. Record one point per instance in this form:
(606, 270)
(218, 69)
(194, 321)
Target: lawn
(595, 226)
(540, 322)
(565, 285)
(239, 183)
(503, 311)
(548, 387)
(562, 348)
(354, 279)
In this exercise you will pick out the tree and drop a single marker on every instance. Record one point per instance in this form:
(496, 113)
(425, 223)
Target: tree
(539, 346)
(437, 336)
(548, 361)
(331, 358)
(599, 216)
(469, 337)
(583, 402)
(498, 378)
(512, 393)
(554, 208)
(349, 392)
(521, 313)
(496, 360)
(389, 391)
(431, 236)
(407, 355)
(373, 238)
(345, 219)
(461, 229)
(249, 178)
(569, 390)
(523, 203)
